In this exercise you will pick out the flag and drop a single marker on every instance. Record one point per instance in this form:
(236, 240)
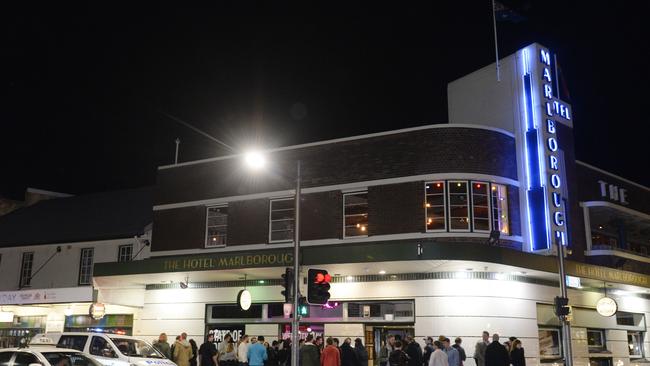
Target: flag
(503, 13)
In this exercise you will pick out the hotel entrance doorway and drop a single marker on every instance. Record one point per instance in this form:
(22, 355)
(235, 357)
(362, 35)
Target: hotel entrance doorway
(377, 335)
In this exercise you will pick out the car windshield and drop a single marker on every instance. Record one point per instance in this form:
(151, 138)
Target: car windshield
(63, 358)
(136, 348)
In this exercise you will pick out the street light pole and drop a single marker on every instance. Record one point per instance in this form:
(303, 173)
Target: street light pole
(295, 322)
(566, 326)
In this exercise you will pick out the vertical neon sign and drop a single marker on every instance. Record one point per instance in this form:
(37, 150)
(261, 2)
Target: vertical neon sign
(545, 204)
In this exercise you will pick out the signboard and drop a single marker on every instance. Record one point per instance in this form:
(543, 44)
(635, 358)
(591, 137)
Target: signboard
(574, 282)
(220, 331)
(244, 299)
(97, 310)
(542, 113)
(47, 296)
(606, 306)
(613, 192)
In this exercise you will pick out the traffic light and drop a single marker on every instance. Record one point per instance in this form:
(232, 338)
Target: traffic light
(303, 307)
(287, 284)
(318, 286)
(562, 306)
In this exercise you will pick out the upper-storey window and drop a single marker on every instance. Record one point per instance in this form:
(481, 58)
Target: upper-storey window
(282, 220)
(500, 221)
(355, 207)
(216, 228)
(466, 206)
(435, 206)
(125, 253)
(26, 269)
(458, 198)
(480, 207)
(86, 266)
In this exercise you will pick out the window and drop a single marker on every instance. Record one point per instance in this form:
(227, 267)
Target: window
(5, 357)
(635, 344)
(549, 344)
(73, 358)
(100, 347)
(355, 207)
(125, 253)
(86, 266)
(458, 206)
(596, 340)
(77, 342)
(282, 220)
(435, 206)
(216, 226)
(500, 209)
(25, 359)
(480, 207)
(26, 269)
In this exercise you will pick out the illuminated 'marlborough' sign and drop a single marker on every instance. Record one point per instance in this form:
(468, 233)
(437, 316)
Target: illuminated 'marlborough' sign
(544, 161)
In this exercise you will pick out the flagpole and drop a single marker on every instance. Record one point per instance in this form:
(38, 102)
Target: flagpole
(496, 43)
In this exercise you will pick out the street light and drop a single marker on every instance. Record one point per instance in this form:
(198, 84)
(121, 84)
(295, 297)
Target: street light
(256, 160)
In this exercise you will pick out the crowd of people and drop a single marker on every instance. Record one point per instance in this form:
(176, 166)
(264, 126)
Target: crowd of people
(314, 351)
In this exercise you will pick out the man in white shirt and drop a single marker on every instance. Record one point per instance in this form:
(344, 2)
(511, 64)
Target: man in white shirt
(242, 351)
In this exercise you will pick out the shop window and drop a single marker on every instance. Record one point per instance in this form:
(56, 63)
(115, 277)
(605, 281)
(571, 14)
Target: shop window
(86, 266)
(596, 340)
(281, 220)
(549, 344)
(216, 228)
(355, 207)
(458, 198)
(125, 253)
(629, 319)
(600, 361)
(435, 206)
(25, 359)
(76, 358)
(480, 207)
(635, 344)
(499, 194)
(26, 269)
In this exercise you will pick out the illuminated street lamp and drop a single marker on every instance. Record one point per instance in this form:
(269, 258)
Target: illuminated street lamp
(256, 160)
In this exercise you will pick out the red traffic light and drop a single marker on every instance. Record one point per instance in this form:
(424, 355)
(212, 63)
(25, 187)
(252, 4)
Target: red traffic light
(321, 277)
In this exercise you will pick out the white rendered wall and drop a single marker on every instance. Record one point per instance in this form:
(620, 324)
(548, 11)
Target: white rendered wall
(454, 308)
(63, 269)
(479, 99)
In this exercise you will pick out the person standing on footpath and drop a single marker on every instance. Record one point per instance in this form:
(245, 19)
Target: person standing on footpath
(256, 353)
(479, 349)
(517, 357)
(182, 351)
(438, 356)
(195, 352)
(496, 354)
(272, 354)
(348, 357)
(429, 348)
(414, 351)
(361, 352)
(208, 355)
(284, 354)
(309, 355)
(242, 351)
(162, 346)
(331, 356)
(452, 354)
(383, 354)
(461, 350)
(398, 357)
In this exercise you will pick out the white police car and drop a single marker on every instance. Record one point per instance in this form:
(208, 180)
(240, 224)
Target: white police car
(44, 355)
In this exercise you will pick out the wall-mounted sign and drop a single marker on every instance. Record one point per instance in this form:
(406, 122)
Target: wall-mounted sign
(544, 161)
(244, 299)
(47, 296)
(613, 192)
(97, 310)
(606, 306)
(220, 331)
(574, 282)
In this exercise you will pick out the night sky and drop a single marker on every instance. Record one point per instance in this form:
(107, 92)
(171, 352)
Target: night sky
(85, 87)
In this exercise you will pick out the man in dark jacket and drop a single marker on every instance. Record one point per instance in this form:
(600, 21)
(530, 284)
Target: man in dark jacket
(348, 357)
(414, 351)
(496, 354)
(309, 353)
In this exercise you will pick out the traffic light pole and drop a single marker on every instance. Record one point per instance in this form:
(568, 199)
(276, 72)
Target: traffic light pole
(295, 321)
(566, 326)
